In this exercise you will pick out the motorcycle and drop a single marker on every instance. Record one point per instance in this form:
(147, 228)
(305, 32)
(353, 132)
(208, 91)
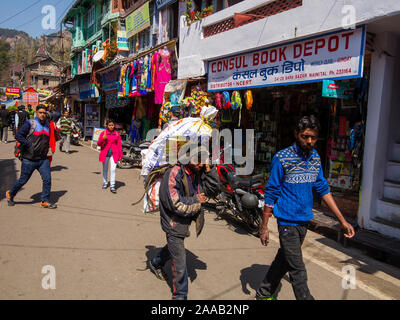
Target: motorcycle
(77, 133)
(242, 196)
(132, 154)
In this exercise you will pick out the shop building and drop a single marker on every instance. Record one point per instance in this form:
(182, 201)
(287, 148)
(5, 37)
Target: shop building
(302, 57)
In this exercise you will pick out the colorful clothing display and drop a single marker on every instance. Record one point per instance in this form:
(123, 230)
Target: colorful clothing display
(163, 75)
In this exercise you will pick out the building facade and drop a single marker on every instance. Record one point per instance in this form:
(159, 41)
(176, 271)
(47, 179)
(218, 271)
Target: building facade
(44, 74)
(248, 26)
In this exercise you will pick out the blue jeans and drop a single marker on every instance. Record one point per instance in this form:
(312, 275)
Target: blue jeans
(175, 250)
(27, 168)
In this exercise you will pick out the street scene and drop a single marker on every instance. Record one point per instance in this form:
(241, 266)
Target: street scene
(199, 150)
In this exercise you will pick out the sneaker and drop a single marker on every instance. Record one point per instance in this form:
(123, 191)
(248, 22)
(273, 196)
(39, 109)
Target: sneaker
(48, 205)
(10, 199)
(263, 298)
(113, 190)
(105, 186)
(157, 271)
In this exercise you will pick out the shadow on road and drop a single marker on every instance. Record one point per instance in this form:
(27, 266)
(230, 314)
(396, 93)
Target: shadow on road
(58, 168)
(7, 177)
(360, 264)
(54, 197)
(192, 263)
(252, 276)
(119, 184)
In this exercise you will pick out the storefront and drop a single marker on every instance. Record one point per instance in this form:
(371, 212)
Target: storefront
(326, 76)
(89, 106)
(133, 90)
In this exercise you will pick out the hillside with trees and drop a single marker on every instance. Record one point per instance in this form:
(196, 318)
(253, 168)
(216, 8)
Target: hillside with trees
(18, 48)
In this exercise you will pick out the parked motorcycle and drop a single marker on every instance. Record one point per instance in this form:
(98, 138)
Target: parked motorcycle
(132, 156)
(77, 133)
(243, 197)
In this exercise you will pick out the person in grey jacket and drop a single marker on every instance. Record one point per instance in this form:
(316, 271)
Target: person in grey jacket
(183, 190)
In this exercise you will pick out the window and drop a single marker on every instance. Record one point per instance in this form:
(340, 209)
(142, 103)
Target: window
(45, 82)
(90, 17)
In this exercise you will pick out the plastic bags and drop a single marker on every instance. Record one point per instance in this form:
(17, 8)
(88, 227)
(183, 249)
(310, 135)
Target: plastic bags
(151, 199)
(176, 135)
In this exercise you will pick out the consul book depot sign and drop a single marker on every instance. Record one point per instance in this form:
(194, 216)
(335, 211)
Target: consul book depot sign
(338, 55)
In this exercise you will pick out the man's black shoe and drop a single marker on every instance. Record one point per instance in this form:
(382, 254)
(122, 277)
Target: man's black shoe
(157, 271)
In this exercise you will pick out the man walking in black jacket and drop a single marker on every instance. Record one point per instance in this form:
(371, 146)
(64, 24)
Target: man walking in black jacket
(4, 119)
(34, 137)
(183, 190)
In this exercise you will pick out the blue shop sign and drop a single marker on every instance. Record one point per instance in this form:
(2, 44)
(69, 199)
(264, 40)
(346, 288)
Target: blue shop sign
(163, 3)
(110, 80)
(86, 89)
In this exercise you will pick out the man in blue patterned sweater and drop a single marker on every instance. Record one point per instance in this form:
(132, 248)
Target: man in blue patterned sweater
(296, 171)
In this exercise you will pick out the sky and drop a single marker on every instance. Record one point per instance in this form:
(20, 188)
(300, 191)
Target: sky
(30, 20)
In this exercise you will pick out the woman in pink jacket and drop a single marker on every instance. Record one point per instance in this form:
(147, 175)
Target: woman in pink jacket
(111, 152)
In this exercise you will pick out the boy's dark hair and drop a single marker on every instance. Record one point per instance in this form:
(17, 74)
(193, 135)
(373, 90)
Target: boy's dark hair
(41, 106)
(307, 122)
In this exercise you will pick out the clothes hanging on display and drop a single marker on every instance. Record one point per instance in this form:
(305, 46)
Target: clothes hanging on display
(163, 74)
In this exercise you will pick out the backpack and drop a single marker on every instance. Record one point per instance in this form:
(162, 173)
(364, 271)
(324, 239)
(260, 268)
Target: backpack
(17, 147)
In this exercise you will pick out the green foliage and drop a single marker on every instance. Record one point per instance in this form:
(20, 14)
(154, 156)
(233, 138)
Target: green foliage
(4, 55)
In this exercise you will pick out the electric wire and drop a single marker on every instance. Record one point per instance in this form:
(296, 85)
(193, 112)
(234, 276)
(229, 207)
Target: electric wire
(32, 5)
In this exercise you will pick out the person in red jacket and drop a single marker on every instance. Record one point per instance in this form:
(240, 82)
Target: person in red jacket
(111, 153)
(54, 137)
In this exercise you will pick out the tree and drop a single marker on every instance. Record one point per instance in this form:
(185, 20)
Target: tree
(4, 63)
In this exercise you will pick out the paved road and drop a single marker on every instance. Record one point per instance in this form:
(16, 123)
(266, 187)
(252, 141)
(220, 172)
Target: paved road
(98, 244)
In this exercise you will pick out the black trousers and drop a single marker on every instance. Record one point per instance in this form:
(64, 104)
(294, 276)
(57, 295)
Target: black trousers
(175, 250)
(288, 259)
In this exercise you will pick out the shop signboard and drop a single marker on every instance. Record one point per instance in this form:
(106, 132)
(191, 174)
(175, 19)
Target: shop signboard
(31, 97)
(122, 42)
(96, 134)
(337, 55)
(163, 3)
(44, 93)
(3, 98)
(110, 80)
(86, 89)
(336, 89)
(138, 20)
(10, 91)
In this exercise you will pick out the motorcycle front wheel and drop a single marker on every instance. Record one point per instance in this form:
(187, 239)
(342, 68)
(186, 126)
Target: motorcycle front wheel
(123, 164)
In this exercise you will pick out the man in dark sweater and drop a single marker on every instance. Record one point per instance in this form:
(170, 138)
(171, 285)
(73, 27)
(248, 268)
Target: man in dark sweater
(183, 190)
(4, 119)
(34, 137)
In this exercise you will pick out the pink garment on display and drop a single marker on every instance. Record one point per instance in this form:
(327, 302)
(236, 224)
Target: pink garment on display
(163, 75)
